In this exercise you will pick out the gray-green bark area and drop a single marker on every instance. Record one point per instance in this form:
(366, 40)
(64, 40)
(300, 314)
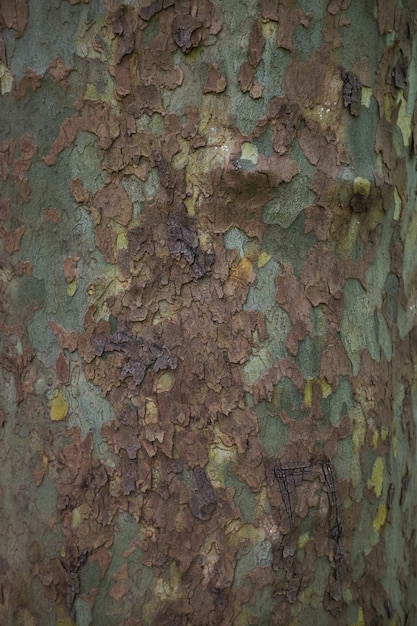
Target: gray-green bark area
(208, 312)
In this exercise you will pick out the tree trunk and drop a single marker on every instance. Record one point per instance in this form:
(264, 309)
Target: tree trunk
(208, 291)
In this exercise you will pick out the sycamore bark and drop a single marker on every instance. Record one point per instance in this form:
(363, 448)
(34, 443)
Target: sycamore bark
(208, 312)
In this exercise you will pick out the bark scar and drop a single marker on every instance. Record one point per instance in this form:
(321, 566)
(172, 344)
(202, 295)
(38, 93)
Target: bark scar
(292, 475)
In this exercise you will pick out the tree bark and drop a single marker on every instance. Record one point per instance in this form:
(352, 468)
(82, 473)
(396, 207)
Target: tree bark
(208, 312)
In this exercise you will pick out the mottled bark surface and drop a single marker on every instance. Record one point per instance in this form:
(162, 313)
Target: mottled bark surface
(208, 312)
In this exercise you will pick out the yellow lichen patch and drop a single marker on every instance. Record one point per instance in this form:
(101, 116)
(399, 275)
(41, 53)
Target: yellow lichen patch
(366, 97)
(166, 310)
(269, 29)
(62, 617)
(122, 242)
(397, 205)
(350, 238)
(111, 283)
(72, 287)
(326, 389)
(164, 383)
(377, 477)
(209, 559)
(168, 589)
(389, 105)
(215, 153)
(6, 79)
(59, 406)
(190, 201)
(247, 535)
(76, 518)
(157, 319)
(203, 162)
(375, 438)
(357, 418)
(180, 160)
(263, 258)
(249, 152)
(395, 446)
(151, 412)
(379, 165)
(262, 504)
(404, 120)
(361, 620)
(308, 392)
(205, 241)
(380, 517)
(362, 186)
(219, 456)
(329, 111)
(106, 93)
(213, 124)
(303, 539)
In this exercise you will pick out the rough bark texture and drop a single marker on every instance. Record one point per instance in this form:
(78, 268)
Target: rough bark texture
(208, 312)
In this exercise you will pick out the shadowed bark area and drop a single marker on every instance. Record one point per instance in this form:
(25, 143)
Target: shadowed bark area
(208, 312)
